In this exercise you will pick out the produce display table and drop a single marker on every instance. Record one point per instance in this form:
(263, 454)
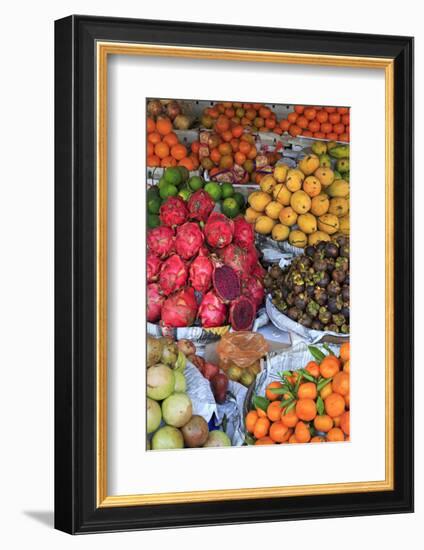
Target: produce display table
(247, 241)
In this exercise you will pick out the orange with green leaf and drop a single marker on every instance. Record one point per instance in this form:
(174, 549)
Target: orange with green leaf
(307, 405)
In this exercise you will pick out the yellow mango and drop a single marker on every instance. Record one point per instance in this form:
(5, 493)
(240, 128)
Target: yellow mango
(280, 232)
(300, 202)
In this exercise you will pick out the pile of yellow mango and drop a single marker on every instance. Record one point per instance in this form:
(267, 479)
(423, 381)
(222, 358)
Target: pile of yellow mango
(306, 204)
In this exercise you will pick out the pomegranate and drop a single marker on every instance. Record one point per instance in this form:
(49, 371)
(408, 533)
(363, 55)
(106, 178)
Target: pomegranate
(219, 387)
(188, 241)
(210, 370)
(198, 362)
(212, 311)
(244, 235)
(173, 109)
(154, 303)
(153, 264)
(200, 205)
(201, 273)
(160, 241)
(173, 275)
(154, 107)
(180, 309)
(173, 212)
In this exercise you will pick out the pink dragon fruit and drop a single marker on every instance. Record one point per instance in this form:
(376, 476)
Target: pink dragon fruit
(235, 257)
(251, 257)
(226, 283)
(201, 270)
(160, 241)
(204, 251)
(173, 212)
(253, 288)
(244, 235)
(258, 271)
(180, 309)
(219, 230)
(188, 241)
(212, 311)
(173, 275)
(154, 303)
(242, 313)
(200, 205)
(153, 264)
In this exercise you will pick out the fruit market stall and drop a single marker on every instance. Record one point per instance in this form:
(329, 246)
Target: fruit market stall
(248, 273)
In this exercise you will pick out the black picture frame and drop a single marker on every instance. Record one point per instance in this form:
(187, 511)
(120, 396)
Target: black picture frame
(75, 275)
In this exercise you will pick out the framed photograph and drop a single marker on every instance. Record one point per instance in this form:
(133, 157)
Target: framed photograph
(234, 274)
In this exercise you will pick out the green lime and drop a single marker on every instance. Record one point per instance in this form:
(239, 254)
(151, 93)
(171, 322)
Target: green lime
(168, 190)
(214, 190)
(153, 220)
(184, 172)
(162, 182)
(227, 190)
(184, 193)
(173, 175)
(153, 205)
(239, 198)
(152, 192)
(195, 183)
(230, 208)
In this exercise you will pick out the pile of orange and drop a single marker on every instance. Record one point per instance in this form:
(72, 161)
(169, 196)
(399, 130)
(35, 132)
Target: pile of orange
(227, 149)
(255, 116)
(318, 122)
(310, 405)
(164, 148)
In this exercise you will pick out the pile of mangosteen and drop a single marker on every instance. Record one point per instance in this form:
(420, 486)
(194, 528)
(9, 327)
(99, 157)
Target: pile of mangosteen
(314, 289)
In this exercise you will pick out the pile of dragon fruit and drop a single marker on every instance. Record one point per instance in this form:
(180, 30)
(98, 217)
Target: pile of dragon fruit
(202, 267)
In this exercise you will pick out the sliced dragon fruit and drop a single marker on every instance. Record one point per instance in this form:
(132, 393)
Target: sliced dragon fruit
(242, 313)
(226, 283)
